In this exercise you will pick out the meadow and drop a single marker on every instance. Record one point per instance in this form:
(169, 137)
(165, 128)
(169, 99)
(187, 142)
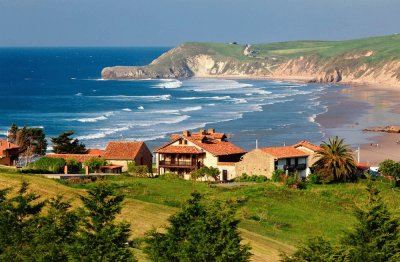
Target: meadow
(273, 217)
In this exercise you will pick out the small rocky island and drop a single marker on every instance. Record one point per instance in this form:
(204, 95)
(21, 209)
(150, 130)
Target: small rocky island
(387, 129)
(374, 60)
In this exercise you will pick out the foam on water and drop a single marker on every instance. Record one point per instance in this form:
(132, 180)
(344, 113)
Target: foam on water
(168, 83)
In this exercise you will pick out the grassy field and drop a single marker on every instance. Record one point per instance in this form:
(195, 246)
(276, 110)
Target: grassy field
(274, 218)
(384, 48)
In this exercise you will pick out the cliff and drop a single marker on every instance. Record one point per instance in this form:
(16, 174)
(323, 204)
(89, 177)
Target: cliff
(374, 60)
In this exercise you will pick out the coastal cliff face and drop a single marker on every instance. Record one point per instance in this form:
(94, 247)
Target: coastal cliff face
(371, 61)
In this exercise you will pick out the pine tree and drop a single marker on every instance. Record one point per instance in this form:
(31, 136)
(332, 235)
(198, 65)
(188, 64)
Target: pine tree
(65, 144)
(101, 238)
(375, 236)
(199, 233)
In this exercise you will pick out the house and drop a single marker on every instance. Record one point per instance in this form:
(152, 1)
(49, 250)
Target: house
(123, 152)
(299, 158)
(117, 153)
(264, 161)
(192, 150)
(9, 153)
(309, 148)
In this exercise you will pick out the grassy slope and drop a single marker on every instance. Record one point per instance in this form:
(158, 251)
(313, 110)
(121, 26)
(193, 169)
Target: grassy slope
(384, 47)
(273, 217)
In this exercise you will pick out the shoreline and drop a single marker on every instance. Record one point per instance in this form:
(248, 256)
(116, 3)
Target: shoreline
(364, 106)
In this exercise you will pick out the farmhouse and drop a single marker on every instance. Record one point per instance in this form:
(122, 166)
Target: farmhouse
(189, 151)
(123, 152)
(9, 153)
(297, 158)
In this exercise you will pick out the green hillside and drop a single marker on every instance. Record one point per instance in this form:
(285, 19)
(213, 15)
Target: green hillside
(384, 48)
(273, 217)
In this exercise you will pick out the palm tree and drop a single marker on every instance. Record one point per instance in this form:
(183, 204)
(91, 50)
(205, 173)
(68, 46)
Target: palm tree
(335, 160)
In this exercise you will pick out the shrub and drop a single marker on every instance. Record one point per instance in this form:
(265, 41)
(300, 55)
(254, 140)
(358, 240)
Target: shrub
(171, 176)
(73, 166)
(137, 171)
(253, 178)
(296, 183)
(47, 165)
(277, 175)
(313, 179)
(206, 172)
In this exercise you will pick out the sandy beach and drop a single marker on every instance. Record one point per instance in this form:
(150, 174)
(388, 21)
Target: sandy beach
(361, 106)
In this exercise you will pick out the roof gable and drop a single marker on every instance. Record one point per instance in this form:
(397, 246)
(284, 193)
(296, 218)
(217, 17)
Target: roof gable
(308, 145)
(124, 150)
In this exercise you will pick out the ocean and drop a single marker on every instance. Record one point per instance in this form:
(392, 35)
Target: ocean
(60, 89)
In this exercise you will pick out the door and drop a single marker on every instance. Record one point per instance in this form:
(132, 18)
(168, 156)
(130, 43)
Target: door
(224, 175)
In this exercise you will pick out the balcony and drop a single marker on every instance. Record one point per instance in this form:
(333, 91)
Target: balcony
(294, 167)
(180, 164)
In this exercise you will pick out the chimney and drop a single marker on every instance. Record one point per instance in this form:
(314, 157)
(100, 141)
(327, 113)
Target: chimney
(202, 131)
(211, 130)
(186, 133)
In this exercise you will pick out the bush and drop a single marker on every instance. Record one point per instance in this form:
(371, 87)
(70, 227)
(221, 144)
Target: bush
(73, 166)
(296, 183)
(277, 175)
(170, 176)
(313, 179)
(137, 171)
(253, 178)
(47, 165)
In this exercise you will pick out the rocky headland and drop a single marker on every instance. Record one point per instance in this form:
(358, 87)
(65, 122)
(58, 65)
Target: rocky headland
(373, 60)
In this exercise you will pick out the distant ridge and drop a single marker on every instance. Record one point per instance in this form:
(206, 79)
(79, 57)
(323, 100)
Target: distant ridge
(373, 60)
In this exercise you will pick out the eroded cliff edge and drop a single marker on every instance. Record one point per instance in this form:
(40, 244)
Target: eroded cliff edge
(370, 60)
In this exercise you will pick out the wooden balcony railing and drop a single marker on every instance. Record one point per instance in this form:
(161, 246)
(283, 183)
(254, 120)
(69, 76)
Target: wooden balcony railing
(180, 163)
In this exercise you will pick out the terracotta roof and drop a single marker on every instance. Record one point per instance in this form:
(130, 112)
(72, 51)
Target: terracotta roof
(122, 150)
(218, 148)
(284, 152)
(81, 158)
(7, 145)
(179, 150)
(95, 151)
(362, 166)
(307, 144)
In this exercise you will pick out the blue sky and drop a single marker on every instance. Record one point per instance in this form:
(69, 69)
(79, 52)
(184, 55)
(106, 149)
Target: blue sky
(170, 22)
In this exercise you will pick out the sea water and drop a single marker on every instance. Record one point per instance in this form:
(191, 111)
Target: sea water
(60, 89)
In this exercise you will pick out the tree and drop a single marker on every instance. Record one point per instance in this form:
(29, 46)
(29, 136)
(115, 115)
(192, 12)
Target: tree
(64, 144)
(199, 232)
(335, 161)
(101, 238)
(390, 168)
(30, 140)
(375, 237)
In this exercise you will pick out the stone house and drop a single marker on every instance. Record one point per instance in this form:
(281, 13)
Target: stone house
(189, 151)
(264, 161)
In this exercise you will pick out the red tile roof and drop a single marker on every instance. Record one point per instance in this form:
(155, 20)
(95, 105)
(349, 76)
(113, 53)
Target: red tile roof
(200, 135)
(284, 152)
(362, 166)
(7, 145)
(81, 158)
(123, 150)
(179, 150)
(307, 144)
(95, 151)
(218, 148)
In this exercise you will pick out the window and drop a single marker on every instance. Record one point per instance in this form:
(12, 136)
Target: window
(180, 142)
(185, 142)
